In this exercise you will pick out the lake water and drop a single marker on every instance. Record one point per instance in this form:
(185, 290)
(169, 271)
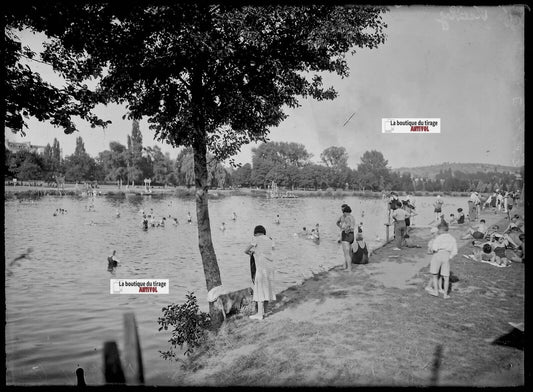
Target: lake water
(58, 308)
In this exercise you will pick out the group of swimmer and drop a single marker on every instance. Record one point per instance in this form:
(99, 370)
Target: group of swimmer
(314, 234)
(60, 211)
(153, 222)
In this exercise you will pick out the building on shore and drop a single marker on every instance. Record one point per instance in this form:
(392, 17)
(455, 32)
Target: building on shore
(23, 146)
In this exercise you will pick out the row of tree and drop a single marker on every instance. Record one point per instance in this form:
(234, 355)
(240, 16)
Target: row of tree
(129, 164)
(287, 164)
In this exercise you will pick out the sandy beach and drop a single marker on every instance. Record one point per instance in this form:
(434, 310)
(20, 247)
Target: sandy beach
(376, 326)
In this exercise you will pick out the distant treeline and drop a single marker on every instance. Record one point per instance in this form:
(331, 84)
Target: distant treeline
(286, 164)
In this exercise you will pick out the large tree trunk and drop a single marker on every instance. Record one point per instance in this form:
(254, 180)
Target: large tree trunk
(209, 259)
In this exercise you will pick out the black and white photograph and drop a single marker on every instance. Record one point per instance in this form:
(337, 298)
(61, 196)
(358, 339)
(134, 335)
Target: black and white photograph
(264, 195)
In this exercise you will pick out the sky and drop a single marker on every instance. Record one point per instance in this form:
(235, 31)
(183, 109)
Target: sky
(464, 65)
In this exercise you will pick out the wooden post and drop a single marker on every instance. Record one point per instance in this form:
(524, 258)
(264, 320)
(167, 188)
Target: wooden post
(133, 364)
(112, 367)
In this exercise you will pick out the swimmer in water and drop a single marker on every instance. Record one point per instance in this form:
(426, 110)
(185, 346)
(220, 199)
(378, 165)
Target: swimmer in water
(313, 235)
(304, 232)
(145, 222)
(112, 261)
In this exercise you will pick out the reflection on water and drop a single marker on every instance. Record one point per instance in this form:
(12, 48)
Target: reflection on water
(59, 310)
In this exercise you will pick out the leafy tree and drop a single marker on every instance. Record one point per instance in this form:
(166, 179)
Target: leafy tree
(335, 157)
(207, 76)
(315, 176)
(25, 93)
(372, 168)
(26, 165)
(243, 175)
(80, 147)
(81, 168)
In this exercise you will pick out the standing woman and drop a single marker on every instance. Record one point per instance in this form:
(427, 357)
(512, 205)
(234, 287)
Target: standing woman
(438, 208)
(346, 223)
(262, 248)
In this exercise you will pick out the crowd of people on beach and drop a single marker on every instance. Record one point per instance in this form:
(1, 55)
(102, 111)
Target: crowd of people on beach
(499, 249)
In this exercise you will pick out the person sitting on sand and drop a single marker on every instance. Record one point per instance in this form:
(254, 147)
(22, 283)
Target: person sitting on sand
(515, 225)
(444, 248)
(488, 253)
(261, 247)
(460, 216)
(452, 219)
(514, 229)
(478, 232)
(497, 245)
(517, 255)
(359, 250)
(234, 216)
(223, 227)
(175, 222)
(276, 221)
(317, 231)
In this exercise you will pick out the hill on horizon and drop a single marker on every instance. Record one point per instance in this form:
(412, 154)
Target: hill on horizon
(431, 171)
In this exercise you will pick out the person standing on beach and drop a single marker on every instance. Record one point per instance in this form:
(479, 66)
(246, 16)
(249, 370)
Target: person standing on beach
(262, 249)
(411, 204)
(399, 215)
(346, 223)
(438, 208)
(472, 206)
(444, 248)
(477, 204)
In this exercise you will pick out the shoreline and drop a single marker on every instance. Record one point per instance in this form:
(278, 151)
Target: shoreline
(29, 191)
(341, 328)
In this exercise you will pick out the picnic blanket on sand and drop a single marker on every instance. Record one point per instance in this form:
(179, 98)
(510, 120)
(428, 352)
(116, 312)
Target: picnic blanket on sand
(470, 257)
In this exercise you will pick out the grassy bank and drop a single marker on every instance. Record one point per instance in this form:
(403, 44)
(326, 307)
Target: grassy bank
(375, 326)
(22, 192)
(181, 191)
(330, 192)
